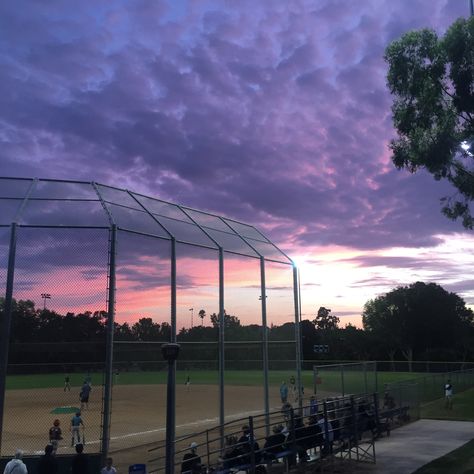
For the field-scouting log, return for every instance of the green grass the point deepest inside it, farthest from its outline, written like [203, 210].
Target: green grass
[459, 461]
[463, 408]
[232, 377]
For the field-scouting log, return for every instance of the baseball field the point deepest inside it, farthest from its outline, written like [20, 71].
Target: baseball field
[139, 405]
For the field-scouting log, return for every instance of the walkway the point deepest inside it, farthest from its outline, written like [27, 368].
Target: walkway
[416, 444]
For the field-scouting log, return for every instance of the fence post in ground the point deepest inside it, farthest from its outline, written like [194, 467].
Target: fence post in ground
[377, 411]
[221, 346]
[5, 332]
[342, 380]
[356, 431]
[327, 445]
[208, 450]
[252, 445]
[263, 297]
[109, 345]
[297, 303]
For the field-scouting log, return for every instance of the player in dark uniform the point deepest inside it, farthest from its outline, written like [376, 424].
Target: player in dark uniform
[67, 383]
[84, 395]
[55, 435]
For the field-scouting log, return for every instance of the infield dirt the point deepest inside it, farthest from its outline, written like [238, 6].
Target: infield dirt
[138, 416]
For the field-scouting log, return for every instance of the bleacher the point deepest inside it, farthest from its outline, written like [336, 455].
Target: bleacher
[343, 428]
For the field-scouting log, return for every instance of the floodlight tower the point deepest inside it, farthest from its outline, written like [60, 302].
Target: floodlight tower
[45, 296]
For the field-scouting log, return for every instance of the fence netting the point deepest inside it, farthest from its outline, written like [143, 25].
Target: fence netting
[57, 340]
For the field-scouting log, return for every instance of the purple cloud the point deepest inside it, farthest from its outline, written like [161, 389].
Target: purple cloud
[275, 113]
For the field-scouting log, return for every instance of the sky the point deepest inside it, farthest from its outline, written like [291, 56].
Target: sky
[275, 113]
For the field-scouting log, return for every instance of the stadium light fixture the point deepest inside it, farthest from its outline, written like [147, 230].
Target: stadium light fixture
[45, 296]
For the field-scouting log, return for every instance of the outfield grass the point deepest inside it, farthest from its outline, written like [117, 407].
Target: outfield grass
[232, 377]
[463, 408]
[459, 461]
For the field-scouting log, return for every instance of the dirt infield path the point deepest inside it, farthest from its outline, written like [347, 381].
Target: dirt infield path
[138, 414]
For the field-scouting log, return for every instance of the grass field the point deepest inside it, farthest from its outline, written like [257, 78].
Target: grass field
[459, 461]
[208, 377]
[463, 408]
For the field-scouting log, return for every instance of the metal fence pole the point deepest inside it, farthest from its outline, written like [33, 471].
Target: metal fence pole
[263, 296]
[297, 303]
[221, 346]
[171, 387]
[342, 380]
[109, 345]
[7, 318]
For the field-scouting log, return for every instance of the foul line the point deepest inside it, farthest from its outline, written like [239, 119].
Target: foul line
[236, 416]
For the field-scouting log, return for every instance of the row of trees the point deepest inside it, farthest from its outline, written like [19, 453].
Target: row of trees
[420, 321]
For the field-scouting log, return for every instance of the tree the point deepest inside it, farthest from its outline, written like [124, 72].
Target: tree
[229, 320]
[146, 330]
[417, 319]
[324, 320]
[432, 83]
[202, 315]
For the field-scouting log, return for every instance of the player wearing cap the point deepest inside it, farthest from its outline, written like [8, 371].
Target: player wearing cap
[55, 435]
[76, 423]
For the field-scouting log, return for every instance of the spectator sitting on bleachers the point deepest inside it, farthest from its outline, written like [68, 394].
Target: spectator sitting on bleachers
[191, 460]
[314, 433]
[246, 444]
[327, 437]
[274, 444]
[388, 401]
[336, 426]
[365, 418]
[232, 453]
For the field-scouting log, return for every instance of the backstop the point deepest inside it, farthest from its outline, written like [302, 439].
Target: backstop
[97, 278]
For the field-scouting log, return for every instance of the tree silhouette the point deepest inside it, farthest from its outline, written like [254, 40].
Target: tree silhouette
[202, 315]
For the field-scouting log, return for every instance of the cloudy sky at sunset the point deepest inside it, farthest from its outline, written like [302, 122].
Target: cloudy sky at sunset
[275, 113]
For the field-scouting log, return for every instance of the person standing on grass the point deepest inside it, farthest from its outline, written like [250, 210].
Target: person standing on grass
[67, 383]
[448, 395]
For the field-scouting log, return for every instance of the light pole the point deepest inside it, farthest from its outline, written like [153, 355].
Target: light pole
[192, 317]
[45, 296]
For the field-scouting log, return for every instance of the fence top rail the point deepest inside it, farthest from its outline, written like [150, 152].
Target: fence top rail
[345, 364]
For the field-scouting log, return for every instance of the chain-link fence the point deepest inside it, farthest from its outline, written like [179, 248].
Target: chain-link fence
[344, 379]
[59, 294]
[82, 263]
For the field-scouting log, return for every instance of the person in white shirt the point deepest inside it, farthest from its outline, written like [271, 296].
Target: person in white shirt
[108, 469]
[448, 395]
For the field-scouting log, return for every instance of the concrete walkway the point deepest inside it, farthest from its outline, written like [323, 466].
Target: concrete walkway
[416, 444]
